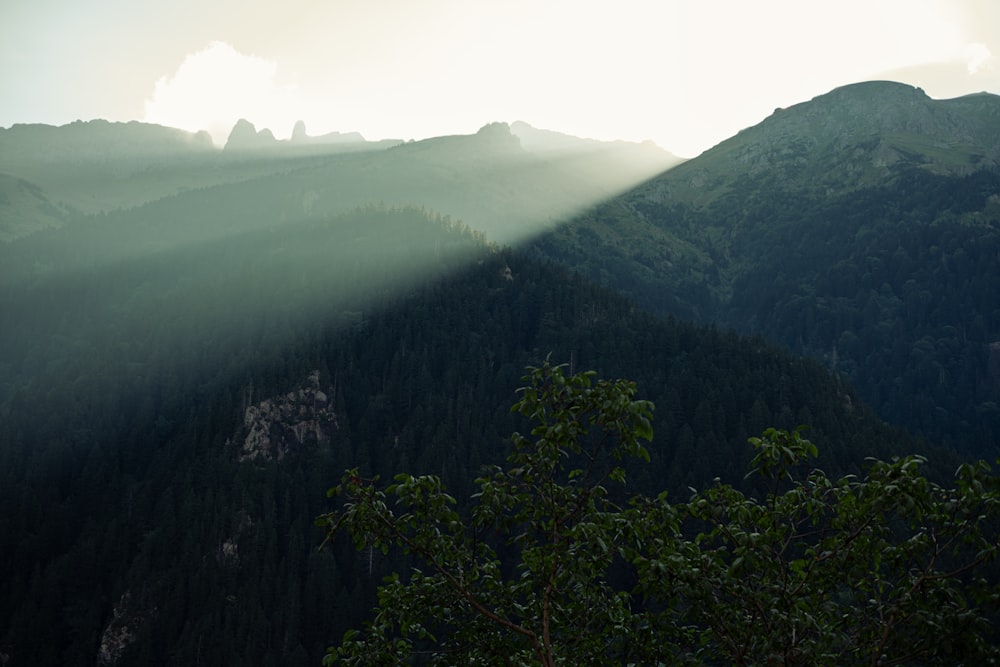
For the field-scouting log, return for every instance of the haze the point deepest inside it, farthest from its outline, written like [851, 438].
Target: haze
[683, 74]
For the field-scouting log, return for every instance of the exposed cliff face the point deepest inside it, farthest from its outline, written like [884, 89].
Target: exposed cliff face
[275, 427]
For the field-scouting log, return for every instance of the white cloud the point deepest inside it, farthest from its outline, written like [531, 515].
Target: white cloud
[977, 55]
[215, 87]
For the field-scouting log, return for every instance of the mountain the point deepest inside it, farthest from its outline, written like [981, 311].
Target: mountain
[542, 141]
[245, 137]
[860, 228]
[194, 352]
[632, 162]
[99, 166]
[486, 179]
[51, 172]
[299, 136]
[95, 140]
[851, 138]
[173, 417]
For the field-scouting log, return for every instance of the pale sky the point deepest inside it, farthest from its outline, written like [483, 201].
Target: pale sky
[686, 74]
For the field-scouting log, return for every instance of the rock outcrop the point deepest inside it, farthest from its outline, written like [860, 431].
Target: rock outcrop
[244, 136]
[276, 427]
[126, 620]
[301, 138]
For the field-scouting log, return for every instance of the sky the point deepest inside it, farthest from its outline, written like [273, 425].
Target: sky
[685, 74]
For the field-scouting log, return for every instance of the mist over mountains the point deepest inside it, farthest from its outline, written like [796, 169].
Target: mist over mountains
[198, 340]
[487, 179]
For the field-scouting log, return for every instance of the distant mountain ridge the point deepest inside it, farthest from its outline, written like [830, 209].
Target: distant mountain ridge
[245, 136]
[96, 139]
[640, 155]
[487, 179]
[543, 141]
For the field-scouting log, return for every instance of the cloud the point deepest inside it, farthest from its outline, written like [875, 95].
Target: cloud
[215, 87]
[977, 55]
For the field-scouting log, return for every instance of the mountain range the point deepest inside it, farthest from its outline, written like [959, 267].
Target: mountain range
[197, 341]
[487, 179]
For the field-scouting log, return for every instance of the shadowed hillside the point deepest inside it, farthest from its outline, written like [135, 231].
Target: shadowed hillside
[859, 228]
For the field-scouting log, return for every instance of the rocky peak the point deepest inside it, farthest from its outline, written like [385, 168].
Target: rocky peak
[498, 135]
[301, 138]
[245, 136]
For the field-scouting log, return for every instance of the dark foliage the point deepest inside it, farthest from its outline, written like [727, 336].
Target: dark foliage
[891, 285]
[125, 512]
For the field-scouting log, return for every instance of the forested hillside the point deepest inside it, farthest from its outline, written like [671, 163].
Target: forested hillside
[861, 228]
[189, 360]
[136, 530]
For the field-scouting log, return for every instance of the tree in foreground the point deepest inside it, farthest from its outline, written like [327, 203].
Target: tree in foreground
[550, 565]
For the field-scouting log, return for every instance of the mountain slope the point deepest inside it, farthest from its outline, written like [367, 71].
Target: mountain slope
[847, 139]
[26, 208]
[137, 529]
[860, 228]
